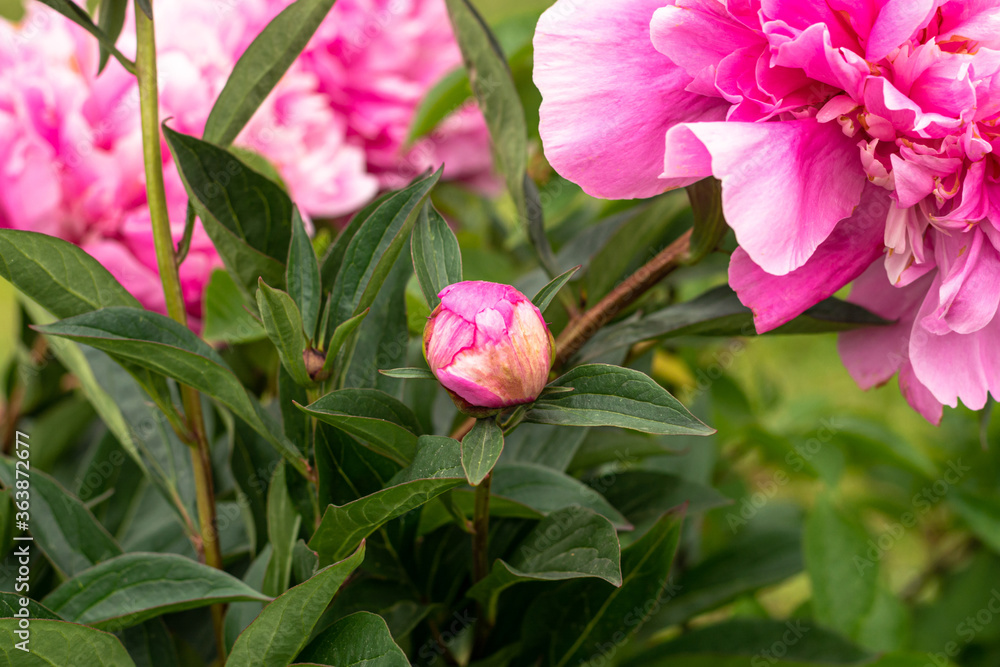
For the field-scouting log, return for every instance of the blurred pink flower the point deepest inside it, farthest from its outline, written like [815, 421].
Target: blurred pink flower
[70, 143]
[851, 137]
[376, 60]
[488, 345]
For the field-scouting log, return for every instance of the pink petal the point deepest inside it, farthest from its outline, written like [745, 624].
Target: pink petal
[896, 23]
[785, 185]
[697, 35]
[919, 396]
[609, 96]
[873, 355]
[854, 244]
[913, 181]
[956, 366]
[468, 389]
[970, 289]
[982, 26]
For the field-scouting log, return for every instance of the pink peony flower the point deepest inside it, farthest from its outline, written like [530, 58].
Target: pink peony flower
[852, 138]
[488, 345]
[376, 60]
[70, 142]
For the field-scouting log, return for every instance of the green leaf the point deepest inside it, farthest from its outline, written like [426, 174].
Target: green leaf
[435, 469]
[110, 19]
[612, 396]
[58, 275]
[77, 15]
[347, 471]
[373, 250]
[241, 614]
[570, 543]
[284, 626]
[643, 495]
[60, 643]
[447, 95]
[333, 259]
[549, 292]
[496, 93]
[302, 275]
[981, 513]
[546, 490]
[719, 312]
[379, 420]
[843, 579]
[437, 259]
[409, 374]
[753, 638]
[129, 589]
[452, 91]
[162, 345]
[382, 339]
[283, 324]
[813, 660]
[226, 319]
[709, 222]
[150, 644]
[247, 215]
[634, 244]
[340, 336]
[10, 605]
[760, 559]
[481, 448]
[260, 67]
[565, 625]
[251, 459]
[282, 529]
[607, 445]
[359, 639]
[139, 427]
[66, 532]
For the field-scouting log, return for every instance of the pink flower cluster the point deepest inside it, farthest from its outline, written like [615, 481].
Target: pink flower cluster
[856, 140]
[334, 127]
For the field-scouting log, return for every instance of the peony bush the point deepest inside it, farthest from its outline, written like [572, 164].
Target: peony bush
[493, 334]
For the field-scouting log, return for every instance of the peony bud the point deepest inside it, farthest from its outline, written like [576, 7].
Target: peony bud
[489, 346]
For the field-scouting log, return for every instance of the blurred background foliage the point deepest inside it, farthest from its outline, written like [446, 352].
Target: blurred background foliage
[815, 500]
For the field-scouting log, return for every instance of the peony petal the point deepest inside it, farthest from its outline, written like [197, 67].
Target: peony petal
[468, 389]
[697, 35]
[785, 185]
[609, 96]
[913, 181]
[873, 355]
[896, 23]
[956, 366]
[852, 247]
[970, 289]
[919, 396]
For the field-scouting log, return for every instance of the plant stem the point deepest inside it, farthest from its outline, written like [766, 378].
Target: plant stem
[166, 262]
[480, 557]
[625, 294]
[582, 329]
[481, 534]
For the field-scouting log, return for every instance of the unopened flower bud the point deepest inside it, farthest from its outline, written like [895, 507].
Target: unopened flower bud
[489, 346]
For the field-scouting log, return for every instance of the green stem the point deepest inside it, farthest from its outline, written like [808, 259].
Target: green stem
[481, 534]
[480, 557]
[167, 263]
